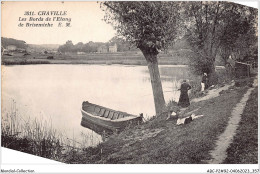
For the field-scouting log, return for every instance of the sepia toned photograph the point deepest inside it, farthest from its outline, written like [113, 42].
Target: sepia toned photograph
[131, 82]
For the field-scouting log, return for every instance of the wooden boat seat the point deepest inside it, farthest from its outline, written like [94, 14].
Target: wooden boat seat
[111, 114]
[106, 114]
[102, 112]
[120, 116]
[115, 116]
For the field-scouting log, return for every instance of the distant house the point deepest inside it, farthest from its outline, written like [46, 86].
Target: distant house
[53, 51]
[81, 53]
[112, 49]
[102, 49]
[11, 47]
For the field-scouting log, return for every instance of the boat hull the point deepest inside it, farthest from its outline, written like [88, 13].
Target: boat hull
[101, 124]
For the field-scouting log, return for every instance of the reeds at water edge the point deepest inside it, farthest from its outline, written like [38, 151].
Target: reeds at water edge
[37, 136]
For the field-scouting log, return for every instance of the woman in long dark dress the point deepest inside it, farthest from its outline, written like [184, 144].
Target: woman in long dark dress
[184, 100]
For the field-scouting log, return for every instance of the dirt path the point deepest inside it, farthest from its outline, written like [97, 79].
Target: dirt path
[225, 139]
[212, 93]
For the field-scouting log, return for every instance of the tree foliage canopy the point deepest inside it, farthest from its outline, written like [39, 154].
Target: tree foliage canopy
[151, 26]
[216, 28]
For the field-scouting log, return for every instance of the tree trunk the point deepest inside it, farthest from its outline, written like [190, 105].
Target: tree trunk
[158, 97]
[213, 79]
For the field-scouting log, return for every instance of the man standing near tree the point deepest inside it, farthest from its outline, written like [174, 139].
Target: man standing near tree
[204, 82]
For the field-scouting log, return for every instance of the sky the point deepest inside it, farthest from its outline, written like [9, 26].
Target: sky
[86, 22]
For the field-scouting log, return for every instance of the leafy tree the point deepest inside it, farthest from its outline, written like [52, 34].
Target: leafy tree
[215, 28]
[239, 38]
[151, 26]
[79, 46]
[122, 44]
[68, 47]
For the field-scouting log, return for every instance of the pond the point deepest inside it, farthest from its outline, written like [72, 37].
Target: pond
[56, 92]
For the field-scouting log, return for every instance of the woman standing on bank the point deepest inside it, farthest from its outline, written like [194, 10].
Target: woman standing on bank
[184, 100]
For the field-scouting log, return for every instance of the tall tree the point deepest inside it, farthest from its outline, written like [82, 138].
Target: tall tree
[202, 34]
[151, 26]
[214, 28]
[239, 34]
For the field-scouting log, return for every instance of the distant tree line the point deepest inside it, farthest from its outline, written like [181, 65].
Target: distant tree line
[90, 47]
[9, 41]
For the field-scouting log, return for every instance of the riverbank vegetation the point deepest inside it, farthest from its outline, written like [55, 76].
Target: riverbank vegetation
[33, 137]
[157, 140]
[161, 141]
[38, 137]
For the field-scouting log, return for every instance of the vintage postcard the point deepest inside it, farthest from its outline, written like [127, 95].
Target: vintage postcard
[129, 82]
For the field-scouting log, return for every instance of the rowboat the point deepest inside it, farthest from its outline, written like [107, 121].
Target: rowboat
[100, 119]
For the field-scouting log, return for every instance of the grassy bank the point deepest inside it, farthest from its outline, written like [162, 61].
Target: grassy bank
[91, 58]
[80, 61]
[162, 141]
[244, 149]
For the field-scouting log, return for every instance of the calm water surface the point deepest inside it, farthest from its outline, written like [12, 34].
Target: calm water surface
[56, 92]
